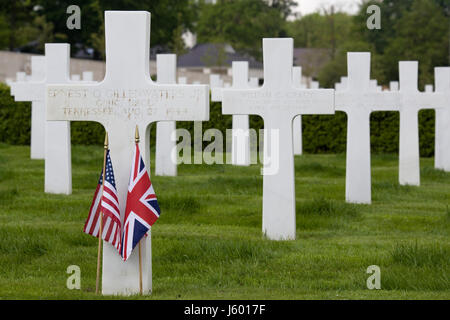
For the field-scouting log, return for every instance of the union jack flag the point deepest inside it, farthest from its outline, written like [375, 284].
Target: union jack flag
[142, 209]
[111, 226]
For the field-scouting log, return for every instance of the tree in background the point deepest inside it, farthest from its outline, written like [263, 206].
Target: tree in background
[318, 30]
[410, 30]
[14, 14]
[240, 23]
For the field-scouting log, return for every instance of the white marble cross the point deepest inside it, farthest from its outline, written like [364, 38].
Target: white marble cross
[428, 88]
[240, 143]
[88, 76]
[165, 150]
[215, 81]
[442, 133]
[297, 125]
[412, 101]
[278, 102]
[125, 98]
[358, 100]
[58, 165]
[393, 86]
[37, 111]
[254, 82]
[20, 78]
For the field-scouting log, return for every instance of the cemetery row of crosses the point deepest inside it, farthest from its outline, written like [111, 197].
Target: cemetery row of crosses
[128, 97]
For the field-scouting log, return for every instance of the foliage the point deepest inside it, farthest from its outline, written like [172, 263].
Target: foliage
[321, 134]
[410, 30]
[240, 23]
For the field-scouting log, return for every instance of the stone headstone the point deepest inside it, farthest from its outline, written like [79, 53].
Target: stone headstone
[182, 80]
[58, 165]
[442, 113]
[75, 77]
[125, 98]
[278, 102]
[165, 152]
[314, 85]
[358, 100]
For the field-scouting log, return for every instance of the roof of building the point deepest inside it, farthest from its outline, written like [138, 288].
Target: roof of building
[206, 55]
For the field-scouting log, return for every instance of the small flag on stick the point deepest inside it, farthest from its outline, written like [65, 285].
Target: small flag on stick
[142, 209]
[105, 204]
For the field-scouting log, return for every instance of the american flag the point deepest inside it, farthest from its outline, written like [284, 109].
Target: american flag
[111, 226]
[142, 209]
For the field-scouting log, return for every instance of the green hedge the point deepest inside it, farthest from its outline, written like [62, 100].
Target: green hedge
[321, 134]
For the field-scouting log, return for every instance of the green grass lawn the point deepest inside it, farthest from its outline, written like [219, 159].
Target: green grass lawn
[208, 243]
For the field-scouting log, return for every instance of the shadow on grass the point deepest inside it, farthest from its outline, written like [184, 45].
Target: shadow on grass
[316, 168]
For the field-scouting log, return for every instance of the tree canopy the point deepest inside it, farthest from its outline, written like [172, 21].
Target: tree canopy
[410, 29]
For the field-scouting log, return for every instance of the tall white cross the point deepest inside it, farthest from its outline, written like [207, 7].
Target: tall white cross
[358, 101]
[278, 102]
[240, 143]
[58, 165]
[393, 86]
[442, 133]
[37, 111]
[165, 150]
[215, 81]
[412, 101]
[88, 76]
[125, 98]
[297, 125]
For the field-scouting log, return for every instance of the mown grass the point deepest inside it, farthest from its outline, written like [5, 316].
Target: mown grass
[208, 243]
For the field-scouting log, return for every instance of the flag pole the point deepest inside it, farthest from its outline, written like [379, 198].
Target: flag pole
[136, 138]
[99, 250]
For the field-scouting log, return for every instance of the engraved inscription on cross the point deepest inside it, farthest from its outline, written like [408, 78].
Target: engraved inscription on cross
[358, 100]
[58, 165]
[125, 98]
[278, 101]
